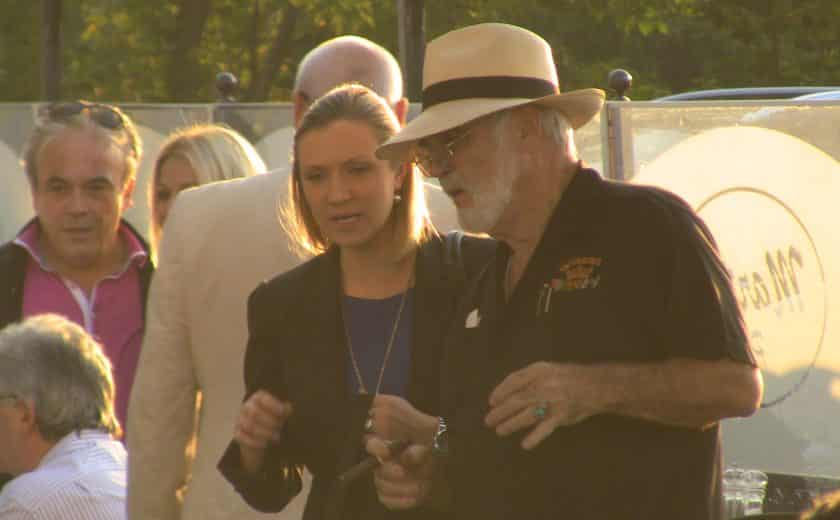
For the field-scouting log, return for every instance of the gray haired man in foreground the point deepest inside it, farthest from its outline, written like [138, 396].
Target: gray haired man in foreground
[57, 424]
[601, 347]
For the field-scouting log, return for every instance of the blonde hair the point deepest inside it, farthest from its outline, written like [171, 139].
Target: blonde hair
[354, 103]
[214, 152]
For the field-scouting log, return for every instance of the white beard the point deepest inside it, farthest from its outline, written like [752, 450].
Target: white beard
[492, 198]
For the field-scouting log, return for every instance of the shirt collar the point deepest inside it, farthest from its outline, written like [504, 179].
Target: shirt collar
[137, 253]
[70, 443]
[573, 212]
[28, 240]
[29, 236]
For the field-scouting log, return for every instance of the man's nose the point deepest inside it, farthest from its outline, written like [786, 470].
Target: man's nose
[439, 166]
[78, 201]
[442, 167]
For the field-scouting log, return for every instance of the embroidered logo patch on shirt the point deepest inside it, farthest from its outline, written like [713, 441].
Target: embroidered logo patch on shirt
[583, 272]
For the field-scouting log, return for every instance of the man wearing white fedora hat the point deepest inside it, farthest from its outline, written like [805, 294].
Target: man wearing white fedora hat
[603, 344]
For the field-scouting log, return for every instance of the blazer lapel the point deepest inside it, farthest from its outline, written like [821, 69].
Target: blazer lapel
[315, 369]
[328, 354]
[434, 298]
[320, 309]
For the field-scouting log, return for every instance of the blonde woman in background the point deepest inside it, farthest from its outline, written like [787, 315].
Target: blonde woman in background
[194, 156]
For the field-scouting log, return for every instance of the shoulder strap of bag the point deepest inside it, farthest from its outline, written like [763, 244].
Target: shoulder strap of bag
[452, 253]
[467, 257]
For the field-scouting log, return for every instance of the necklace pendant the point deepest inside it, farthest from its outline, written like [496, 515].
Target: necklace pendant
[362, 391]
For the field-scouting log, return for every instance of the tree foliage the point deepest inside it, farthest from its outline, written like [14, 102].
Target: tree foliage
[171, 50]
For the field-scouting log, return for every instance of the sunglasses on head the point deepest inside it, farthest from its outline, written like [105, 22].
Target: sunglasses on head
[104, 115]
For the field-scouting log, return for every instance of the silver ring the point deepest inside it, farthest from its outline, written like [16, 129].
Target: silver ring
[369, 425]
[541, 411]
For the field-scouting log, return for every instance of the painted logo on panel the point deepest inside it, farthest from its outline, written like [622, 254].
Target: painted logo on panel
[778, 279]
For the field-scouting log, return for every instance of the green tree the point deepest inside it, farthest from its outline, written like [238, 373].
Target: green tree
[171, 50]
[19, 50]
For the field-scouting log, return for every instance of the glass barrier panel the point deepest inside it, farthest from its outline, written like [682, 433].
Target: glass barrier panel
[766, 179]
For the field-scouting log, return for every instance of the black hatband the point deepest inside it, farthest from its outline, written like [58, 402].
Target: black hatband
[505, 87]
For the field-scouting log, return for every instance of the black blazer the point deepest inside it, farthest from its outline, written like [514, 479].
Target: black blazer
[297, 351]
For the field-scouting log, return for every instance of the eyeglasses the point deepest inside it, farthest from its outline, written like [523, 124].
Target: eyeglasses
[434, 154]
[104, 115]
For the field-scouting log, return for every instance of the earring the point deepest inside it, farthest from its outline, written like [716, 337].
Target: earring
[397, 199]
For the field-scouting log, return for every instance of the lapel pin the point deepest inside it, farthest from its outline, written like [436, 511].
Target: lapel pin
[473, 319]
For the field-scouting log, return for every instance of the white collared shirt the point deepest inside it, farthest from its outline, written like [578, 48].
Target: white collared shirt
[83, 477]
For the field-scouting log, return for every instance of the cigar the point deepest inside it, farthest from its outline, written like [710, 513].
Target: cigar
[370, 463]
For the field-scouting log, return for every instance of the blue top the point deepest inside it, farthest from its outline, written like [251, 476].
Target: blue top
[369, 323]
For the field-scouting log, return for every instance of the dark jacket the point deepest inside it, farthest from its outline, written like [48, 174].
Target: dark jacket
[297, 349]
[13, 271]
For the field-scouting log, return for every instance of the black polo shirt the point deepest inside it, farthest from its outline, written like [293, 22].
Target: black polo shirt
[618, 276]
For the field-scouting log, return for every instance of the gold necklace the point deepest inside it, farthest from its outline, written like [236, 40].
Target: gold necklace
[359, 380]
[508, 280]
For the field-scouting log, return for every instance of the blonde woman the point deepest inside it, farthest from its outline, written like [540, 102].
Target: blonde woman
[346, 344]
[194, 156]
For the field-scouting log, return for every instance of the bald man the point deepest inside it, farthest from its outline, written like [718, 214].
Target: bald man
[219, 242]
[348, 59]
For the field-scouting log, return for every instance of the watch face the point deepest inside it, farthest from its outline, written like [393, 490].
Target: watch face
[441, 440]
[442, 443]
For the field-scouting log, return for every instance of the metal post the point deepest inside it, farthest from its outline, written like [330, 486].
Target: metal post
[227, 111]
[51, 49]
[612, 143]
[617, 129]
[226, 86]
[412, 45]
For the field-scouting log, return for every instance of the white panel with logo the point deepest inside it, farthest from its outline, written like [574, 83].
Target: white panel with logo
[771, 201]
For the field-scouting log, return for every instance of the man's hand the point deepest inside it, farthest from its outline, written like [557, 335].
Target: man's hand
[679, 392]
[566, 393]
[405, 480]
[261, 419]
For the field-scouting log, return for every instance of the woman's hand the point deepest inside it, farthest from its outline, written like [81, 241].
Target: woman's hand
[395, 419]
[261, 420]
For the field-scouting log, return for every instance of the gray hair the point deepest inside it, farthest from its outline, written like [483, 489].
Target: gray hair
[125, 139]
[553, 123]
[62, 370]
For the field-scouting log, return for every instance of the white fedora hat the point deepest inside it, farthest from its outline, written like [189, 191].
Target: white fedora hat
[477, 70]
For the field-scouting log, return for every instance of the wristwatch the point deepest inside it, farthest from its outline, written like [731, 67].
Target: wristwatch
[440, 442]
